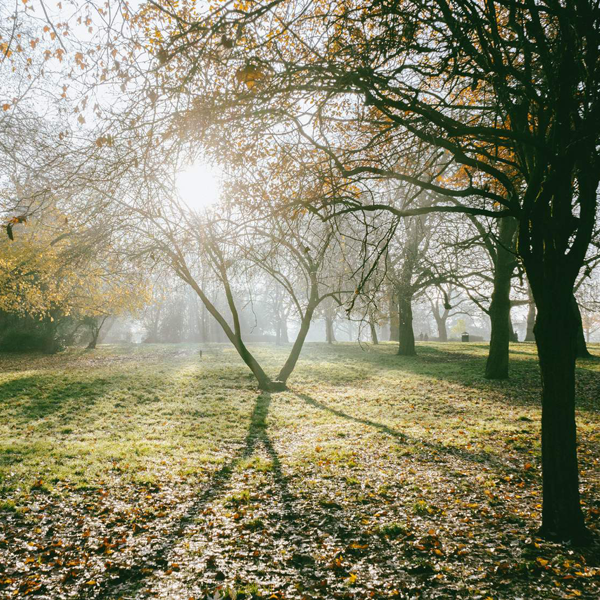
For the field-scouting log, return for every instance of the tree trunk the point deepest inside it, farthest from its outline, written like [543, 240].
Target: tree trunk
[497, 362]
[496, 366]
[394, 321]
[95, 331]
[329, 331]
[264, 382]
[283, 330]
[529, 336]
[292, 359]
[440, 321]
[582, 351]
[92, 345]
[556, 339]
[374, 337]
[406, 345]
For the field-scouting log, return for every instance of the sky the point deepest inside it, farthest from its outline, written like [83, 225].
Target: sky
[199, 185]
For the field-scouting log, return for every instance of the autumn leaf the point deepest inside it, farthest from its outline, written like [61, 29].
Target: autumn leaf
[250, 75]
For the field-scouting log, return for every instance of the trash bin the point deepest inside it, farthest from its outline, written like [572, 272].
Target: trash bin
[465, 337]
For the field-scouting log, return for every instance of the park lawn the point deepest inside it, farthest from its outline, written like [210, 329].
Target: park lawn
[147, 471]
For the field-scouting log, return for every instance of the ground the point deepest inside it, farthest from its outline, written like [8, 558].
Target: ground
[151, 472]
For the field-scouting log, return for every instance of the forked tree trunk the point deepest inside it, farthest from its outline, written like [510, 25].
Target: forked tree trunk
[556, 339]
[440, 321]
[406, 343]
[497, 362]
[264, 382]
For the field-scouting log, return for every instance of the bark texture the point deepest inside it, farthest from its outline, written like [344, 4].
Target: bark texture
[556, 339]
[504, 264]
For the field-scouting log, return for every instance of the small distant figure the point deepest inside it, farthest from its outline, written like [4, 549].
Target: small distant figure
[421, 336]
[200, 353]
[426, 337]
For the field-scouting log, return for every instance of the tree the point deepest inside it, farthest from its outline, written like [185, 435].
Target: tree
[234, 250]
[504, 93]
[443, 300]
[53, 270]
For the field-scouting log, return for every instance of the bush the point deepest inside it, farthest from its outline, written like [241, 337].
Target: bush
[18, 340]
[27, 334]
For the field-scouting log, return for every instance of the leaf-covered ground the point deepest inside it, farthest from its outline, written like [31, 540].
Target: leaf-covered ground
[147, 472]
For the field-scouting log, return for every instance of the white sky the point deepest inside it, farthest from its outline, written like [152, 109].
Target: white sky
[199, 185]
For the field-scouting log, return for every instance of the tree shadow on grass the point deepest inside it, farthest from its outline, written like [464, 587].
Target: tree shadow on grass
[38, 396]
[438, 449]
[522, 388]
[131, 579]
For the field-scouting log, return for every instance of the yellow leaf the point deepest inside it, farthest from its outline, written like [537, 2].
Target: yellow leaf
[540, 561]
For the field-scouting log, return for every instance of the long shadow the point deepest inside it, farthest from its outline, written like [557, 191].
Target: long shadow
[465, 455]
[131, 579]
[466, 370]
[301, 561]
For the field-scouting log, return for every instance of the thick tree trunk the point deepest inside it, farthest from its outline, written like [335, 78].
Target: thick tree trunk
[497, 362]
[556, 338]
[406, 343]
[440, 321]
[394, 321]
[582, 351]
[329, 331]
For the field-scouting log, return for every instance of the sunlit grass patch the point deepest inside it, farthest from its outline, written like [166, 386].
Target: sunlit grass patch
[371, 469]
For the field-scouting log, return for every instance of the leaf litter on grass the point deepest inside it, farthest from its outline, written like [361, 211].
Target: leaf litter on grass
[427, 487]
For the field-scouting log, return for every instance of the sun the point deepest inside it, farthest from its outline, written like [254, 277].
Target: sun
[199, 185]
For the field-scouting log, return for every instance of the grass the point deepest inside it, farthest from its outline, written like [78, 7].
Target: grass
[145, 471]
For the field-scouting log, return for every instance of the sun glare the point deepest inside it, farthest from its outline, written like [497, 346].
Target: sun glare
[199, 185]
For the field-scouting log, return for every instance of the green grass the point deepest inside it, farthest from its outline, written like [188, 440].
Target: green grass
[388, 473]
